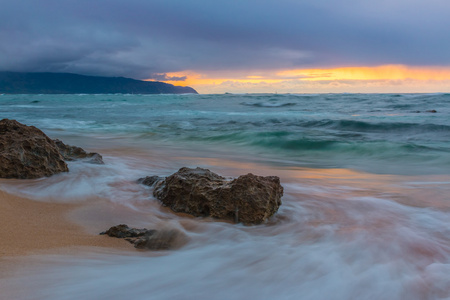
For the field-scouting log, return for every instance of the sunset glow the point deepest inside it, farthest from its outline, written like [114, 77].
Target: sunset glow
[388, 72]
[386, 78]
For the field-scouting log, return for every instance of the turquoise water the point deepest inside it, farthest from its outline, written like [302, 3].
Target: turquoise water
[383, 133]
[365, 214]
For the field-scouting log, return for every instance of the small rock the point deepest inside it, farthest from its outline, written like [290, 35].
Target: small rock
[165, 239]
[123, 231]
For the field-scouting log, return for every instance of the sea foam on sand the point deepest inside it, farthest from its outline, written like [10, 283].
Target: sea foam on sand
[339, 234]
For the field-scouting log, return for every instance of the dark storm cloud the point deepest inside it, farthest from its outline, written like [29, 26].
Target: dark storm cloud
[144, 38]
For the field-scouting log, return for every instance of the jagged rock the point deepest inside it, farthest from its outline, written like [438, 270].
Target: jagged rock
[26, 152]
[249, 199]
[165, 239]
[73, 153]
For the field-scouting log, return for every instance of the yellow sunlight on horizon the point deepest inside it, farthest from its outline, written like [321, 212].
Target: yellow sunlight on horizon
[386, 78]
[388, 72]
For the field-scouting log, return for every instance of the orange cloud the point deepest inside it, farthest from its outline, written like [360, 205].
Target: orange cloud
[196, 79]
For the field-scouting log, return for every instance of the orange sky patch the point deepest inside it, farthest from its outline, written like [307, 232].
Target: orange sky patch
[387, 78]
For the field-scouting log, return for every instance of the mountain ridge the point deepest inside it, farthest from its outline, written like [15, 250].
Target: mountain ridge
[70, 83]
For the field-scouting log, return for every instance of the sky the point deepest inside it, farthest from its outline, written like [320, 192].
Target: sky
[254, 46]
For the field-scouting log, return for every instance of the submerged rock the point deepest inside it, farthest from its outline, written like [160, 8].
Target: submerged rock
[159, 240]
[149, 180]
[27, 153]
[428, 111]
[73, 153]
[249, 199]
[165, 239]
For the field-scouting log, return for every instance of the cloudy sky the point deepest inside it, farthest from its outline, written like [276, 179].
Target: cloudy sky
[236, 46]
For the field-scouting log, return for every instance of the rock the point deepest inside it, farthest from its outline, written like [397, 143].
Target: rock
[123, 231]
[249, 199]
[73, 153]
[150, 180]
[26, 152]
[165, 239]
[428, 111]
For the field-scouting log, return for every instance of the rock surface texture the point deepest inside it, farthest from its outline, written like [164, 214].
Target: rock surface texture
[73, 153]
[148, 239]
[26, 152]
[249, 199]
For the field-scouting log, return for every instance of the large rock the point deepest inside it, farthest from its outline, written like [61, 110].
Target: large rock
[249, 199]
[73, 153]
[165, 239]
[26, 152]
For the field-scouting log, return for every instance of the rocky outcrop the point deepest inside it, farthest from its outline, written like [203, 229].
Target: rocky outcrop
[26, 152]
[73, 153]
[148, 239]
[249, 199]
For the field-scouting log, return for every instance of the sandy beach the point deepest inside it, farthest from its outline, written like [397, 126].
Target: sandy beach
[30, 227]
[35, 228]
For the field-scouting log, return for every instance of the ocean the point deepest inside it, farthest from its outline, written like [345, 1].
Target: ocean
[365, 213]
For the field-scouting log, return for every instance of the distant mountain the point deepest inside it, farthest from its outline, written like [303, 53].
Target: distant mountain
[67, 83]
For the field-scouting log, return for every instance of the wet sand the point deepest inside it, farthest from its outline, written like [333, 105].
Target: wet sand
[30, 227]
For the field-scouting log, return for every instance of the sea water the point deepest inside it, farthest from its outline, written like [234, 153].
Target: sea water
[365, 213]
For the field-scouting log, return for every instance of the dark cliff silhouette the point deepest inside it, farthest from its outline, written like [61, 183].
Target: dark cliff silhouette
[67, 83]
